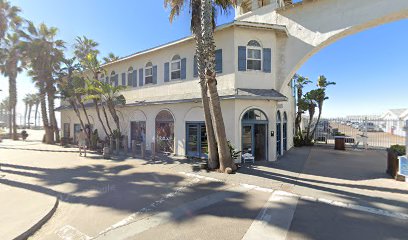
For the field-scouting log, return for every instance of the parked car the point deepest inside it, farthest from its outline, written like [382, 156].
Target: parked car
[355, 125]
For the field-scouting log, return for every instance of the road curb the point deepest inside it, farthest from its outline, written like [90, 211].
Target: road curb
[39, 224]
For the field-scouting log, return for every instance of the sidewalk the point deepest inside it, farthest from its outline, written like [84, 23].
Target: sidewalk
[23, 211]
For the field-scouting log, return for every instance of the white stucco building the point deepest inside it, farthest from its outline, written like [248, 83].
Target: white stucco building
[163, 94]
[257, 55]
[394, 121]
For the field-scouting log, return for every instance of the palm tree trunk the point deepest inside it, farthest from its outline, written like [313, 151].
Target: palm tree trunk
[318, 118]
[15, 136]
[215, 105]
[25, 115]
[99, 116]
[74, 106]
[49, 139]
[84, 110]
[35, 114]
[51, 110]
[112, 110]
[213, 161]
[107, 120]
[30, 106]
[13, 102]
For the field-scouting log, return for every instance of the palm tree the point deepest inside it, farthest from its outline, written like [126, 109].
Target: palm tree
[196, 14]
[92, 64]
[322, 84]
[31, 102]
[8, 18]
[37, 104]
[83, 47]
[110, 95]
[110, 58]
[300, 83]
[207, 28]
[69, 81]
[45, 55]
[25, 101]
[11, 64]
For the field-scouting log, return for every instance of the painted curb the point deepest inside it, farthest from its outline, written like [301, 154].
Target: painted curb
[28, 233]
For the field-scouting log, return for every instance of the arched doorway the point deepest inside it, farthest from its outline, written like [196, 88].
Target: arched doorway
[285, 132]
[164, 132]
[278, 134]
[254, 134]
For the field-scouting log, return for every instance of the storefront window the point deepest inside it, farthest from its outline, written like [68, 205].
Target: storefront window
[165, 132]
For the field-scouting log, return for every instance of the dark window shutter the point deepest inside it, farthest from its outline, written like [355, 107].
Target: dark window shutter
[195, 66]
[166, 72]
[241, 58]
[130, 79]
[154, 74]
[183, 73]
[116, 80]
[141, 77]
[123, 79]
[134, 78]
[267, 60]
[218, 61]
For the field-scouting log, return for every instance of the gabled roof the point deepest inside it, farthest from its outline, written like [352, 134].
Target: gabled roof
[246, 24]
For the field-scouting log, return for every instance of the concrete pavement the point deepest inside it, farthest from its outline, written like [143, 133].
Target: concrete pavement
[170, 199]
[23, 212]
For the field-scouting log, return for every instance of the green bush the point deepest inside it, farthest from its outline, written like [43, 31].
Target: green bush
[234, 153]
[297, 141]
[398, 149]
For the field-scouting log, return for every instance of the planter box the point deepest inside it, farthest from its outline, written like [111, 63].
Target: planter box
[339, 143]
[392, 163]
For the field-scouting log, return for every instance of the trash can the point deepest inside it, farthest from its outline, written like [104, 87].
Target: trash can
[340, 143]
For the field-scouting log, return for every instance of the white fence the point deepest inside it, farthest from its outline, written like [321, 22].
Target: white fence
[360, 132]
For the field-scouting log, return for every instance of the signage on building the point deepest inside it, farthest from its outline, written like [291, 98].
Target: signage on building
[403, 166]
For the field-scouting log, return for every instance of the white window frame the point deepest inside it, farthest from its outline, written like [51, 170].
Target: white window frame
[149, 66]
[113, 73]
[254, 59]
[129, 72]
[175, 59]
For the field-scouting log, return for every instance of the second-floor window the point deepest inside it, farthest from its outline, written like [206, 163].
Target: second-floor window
[175, 68]
[254, 56]
[149, 73]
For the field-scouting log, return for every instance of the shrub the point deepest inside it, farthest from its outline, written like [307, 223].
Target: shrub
[398, 149]
[297, 141]
[234, 153]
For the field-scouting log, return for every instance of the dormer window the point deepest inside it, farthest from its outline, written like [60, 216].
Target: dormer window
[175, 68]
[149, 73]
[254, 56]
[262, 3]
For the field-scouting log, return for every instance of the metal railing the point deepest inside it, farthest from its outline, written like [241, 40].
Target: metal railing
[372, 133]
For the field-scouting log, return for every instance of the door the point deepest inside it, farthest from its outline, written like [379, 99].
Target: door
[77, 129]
[67, 130]
[285, 136]
[254, 140]
[260, 145]
[196, 140]
[137, 132]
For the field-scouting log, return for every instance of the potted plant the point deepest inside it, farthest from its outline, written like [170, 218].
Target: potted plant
[393, 153]
[339, 141]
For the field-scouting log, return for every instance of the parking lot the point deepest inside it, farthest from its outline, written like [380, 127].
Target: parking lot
[377, 136]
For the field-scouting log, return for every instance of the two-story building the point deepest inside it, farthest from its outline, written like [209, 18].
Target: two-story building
[163, 99]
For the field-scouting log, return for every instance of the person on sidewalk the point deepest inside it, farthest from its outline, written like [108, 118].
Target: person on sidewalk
[82, 137]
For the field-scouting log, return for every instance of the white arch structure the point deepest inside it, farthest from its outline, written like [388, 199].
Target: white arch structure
[313, 25]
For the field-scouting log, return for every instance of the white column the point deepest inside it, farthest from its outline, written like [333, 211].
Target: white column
[406, 138]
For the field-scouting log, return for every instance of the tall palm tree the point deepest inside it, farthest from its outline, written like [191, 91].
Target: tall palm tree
[83, 47]
[36, 99]
[111, 96]
[322, 84]
[69, 81]
[110, 58]
[45, 55]
[300, 82]
[92, 64]
[207, 28]
[8, 18]
[196, 14]
[11, 64]
[25, 101]
[31, 102]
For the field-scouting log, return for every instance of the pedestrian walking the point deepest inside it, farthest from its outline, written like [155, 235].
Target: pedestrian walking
[82, 137]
